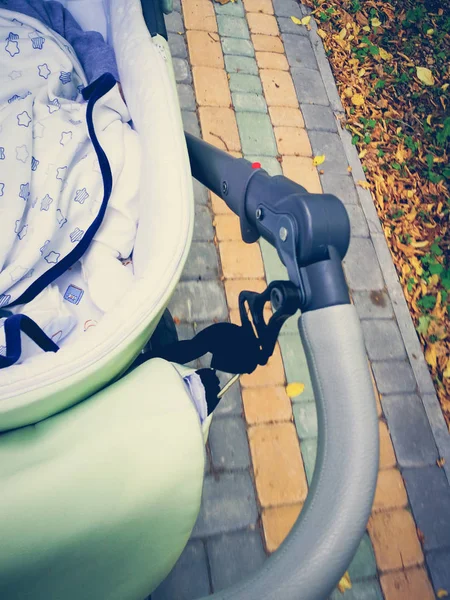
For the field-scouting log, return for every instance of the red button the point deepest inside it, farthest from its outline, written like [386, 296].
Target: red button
[256, 165]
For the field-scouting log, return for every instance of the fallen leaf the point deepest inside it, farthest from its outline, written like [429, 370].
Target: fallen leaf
[358, 99]
[361, 72]
[440, 462]
[425, 75]
[429, 119]
[363, 184]
[321, 33]
[385, 55]
[366, 28]
[296, 20]
[295, 389]
[444, 87]
[430, 355]
[430, 31]
[446, 372]
[342, 33]
[344, 583]
[306, 20]
[441, 593]
[318, 160]
[362, 153]
[376, 22]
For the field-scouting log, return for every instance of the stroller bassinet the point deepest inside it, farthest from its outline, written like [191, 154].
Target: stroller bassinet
[101, 477]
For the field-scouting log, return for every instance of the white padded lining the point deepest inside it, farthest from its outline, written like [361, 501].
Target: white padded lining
[166, 215]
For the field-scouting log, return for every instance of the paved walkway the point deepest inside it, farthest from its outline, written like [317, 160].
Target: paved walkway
[255, 84]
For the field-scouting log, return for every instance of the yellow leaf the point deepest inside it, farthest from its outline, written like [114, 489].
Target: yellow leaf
[306, 20]
[344, 583]
[295, 389]
[358, 99]
[444, 87]
[429, 119]
[348, 92]
[361, 72]
[446, 372]
[321, 33]
[430, 356]
[342, 33]
[385, 55]
[417, 265]
[425, 75]
[410, 193]
[362, 153]
[441, 593]
[430, 31]
[419, 244]
[318, 160]
[434, 279]
[366, 28]
[296, 21]
[376, 22]
[363, 184]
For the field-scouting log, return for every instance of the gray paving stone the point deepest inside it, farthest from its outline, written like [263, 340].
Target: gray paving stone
[295, 365]
[228, 443]
[358, 223]
[241, 64]
[273, 267]
[174, 23]
[234, 27]
[330, 144]
[320, 118]
[410, 431]
[200, 193]
[363, 564]
[361, 266]
[233, 556]
[185, 331]
[305, 416]
[429, 496]
[287, 25]
[374, 304]
[237, 47]
[177, 45]
[299, 51]
[228, 504]
[439, 428]
[189, 578]
[186, 96]
[203, 229]
[394, 377]
[245, 83]
[361, 590]
[341, 186]
[268, 163]
[287, 8]
[231, 403]
[309, 453]
[177, 5]
[182, 70]
[438, 563]
[190, 124]
[198, 300]
[249, 102]
[234, 9]
[309, 86]
[383, 339]
[256, 133]
[202, 262]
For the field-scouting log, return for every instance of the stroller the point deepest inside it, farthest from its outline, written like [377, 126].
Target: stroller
[101, 449]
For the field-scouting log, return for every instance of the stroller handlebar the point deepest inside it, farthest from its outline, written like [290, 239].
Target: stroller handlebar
[312, 559]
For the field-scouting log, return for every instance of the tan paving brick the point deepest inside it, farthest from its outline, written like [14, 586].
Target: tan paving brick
[270, 374]
[211, 87]
[272, 60]
[199, 15]
[218, 206]
[390, 492]
[233, 287]
[227, 227]
[260, 23]
[394, 539]
[259, 6]
[266, 405]
[278, 467]
[293, 141]
[410, 584]
[387, 454]
[219, 127]
[205, 49]
[278, 88]
[241, 260]
[277, 523]
[267, 43]
[283, 116]
[301, 170]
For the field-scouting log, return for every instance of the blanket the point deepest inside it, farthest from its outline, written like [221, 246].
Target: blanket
[61, 147]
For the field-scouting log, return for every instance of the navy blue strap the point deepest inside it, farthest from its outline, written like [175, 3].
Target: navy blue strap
[14, 325]
[92, 93]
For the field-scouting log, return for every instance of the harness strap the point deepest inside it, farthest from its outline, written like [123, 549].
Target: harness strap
[14, 325]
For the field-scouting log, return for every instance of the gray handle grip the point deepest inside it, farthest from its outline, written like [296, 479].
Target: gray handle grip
[314, 556]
